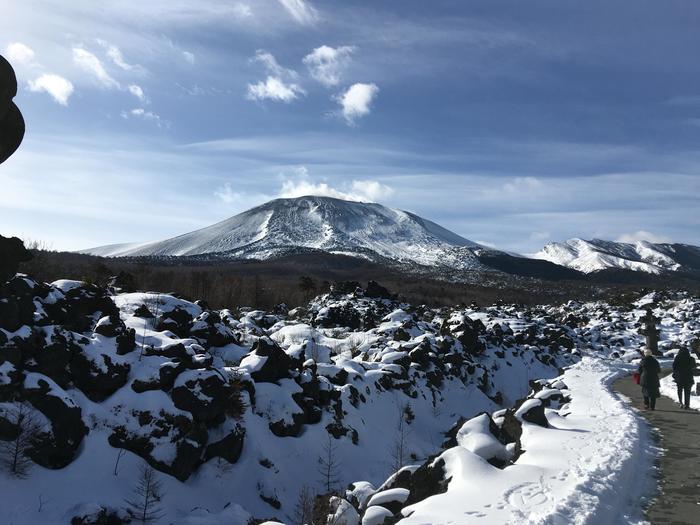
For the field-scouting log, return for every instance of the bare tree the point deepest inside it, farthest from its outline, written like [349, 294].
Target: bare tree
[145, 505]
[14, 452]
[304, 510]
[399, 447]
[329, 466]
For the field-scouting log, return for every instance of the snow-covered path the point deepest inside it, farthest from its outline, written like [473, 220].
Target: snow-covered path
[591, 467]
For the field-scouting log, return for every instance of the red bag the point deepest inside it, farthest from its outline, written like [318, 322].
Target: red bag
[635, 377]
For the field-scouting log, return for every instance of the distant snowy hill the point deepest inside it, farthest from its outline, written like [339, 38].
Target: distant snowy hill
[595, 255]
[286, 226]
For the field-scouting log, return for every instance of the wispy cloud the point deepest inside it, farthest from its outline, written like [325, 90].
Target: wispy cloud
[326, 64]
[89, 63]
[58, 87]
[188, 56]
[144, 114]
[301, 10]
[356, 102]
[115, 54]
[642, 235]
[272, 66]
[137, 91]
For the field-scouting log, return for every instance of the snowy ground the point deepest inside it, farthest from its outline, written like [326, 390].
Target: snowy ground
[668, 389]
[588, 468]
[589, 465]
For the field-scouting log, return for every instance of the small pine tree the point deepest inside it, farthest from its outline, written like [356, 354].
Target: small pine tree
[14, 453]
[329, 466]
[304, 510]
[145, 506]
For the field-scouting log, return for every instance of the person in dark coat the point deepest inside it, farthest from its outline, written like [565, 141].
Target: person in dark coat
[683, 367]
[649, 370]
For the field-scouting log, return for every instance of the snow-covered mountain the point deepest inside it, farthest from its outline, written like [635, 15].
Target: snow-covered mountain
[320, 223]
[595, 255]
[284, 227]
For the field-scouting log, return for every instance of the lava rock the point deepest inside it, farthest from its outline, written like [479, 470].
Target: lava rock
[97, 375]
[277, 363]
[229, 448]
[12, 252]
[58, 448]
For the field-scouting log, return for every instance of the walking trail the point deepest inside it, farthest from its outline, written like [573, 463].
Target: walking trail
[678, 499]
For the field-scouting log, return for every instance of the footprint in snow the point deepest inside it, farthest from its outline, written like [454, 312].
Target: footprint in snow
[527, 496]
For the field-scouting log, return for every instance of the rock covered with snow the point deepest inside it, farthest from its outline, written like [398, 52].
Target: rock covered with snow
[240, 398]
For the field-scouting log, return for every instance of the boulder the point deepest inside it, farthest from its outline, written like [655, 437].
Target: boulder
[12, 253]
[229, 447]
[204, 393]
[97, 375]
[159, 431]
[267, 362]
[178, 320]
[57, 448]
[100, 515]
[16, 304]
[532, 411]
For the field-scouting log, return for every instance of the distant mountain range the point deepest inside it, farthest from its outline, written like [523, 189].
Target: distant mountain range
[596, 255]
[393, 237]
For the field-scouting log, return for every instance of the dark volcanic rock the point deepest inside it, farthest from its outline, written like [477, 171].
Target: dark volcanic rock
[57, 448]
[277, 363]
[203, 393]
[97, 375]
[12, 250]
[229, 448]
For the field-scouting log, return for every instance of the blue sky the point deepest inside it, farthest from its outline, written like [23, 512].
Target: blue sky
[511, 123]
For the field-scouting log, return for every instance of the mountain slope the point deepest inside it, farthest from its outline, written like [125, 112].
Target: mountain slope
[320, 223]
[596, 255]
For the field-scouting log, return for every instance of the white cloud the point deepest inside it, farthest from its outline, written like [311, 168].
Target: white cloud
[137, 91]
[274, 89]
[642, 235]
[326, 63]
[356, 101]
[91, 64]
[272, 66]
[58, 87]
[241, 10]
[522, 185]
[115, 54]
[301, 10]
[227, 194]
[143, 114]
[189, 57]
[19, 53]
[357, 190]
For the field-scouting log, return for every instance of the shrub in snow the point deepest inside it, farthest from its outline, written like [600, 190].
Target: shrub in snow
[19, 428]
[145, 505]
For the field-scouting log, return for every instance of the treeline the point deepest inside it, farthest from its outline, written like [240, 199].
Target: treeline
[296, 279]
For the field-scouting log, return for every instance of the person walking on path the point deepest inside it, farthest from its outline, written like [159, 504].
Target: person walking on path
[649, 370]
[683, 368]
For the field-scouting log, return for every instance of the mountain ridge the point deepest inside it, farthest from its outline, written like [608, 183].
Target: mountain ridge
[595, 255]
